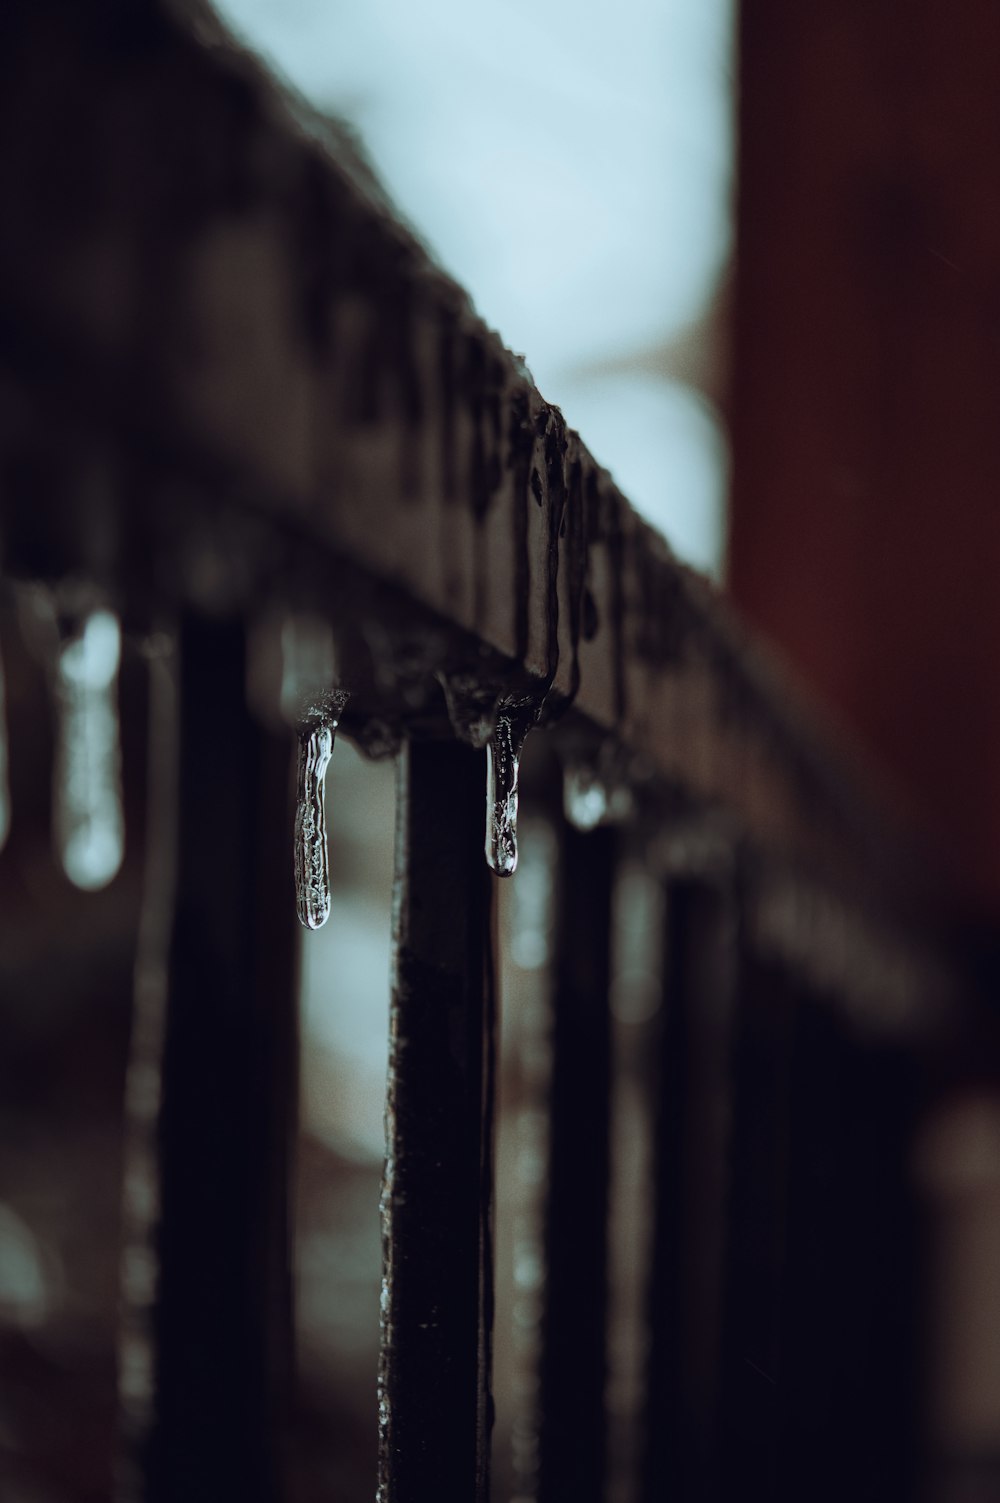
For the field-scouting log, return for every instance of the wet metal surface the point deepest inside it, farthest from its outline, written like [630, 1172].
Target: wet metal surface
[435, 1410]
[572, 1438]
[222, 1319]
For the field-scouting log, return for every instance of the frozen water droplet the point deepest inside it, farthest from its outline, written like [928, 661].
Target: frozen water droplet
[312, 865]
[4, 763]
[503, 753]
[88, 818]
[585, 797]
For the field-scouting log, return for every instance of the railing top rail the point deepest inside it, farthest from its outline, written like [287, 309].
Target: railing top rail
[232, 374]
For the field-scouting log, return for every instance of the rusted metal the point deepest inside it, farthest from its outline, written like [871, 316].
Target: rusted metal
[435, 1409]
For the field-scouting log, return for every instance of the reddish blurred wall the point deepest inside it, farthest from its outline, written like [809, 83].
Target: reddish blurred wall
[865, 533]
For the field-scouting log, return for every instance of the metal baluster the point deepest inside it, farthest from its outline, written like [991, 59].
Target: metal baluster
[850, 1326]
[435, 1408]
[572, 1429]
[690, 1188]
[636, 998]
[143, 1085]
[222, 1317]
[754, 1370]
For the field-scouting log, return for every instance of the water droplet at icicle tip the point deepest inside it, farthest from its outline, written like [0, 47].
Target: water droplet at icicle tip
[312, 864]
[88, 818]
[503, 754]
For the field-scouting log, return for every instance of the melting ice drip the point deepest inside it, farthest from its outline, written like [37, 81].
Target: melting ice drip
[503, 755]
[88, 818]
[309, 666]
[4, 780]
[312, 862]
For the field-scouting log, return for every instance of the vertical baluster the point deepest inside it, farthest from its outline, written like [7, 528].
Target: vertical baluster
[434, 1402]
[572, 1433]
[754, 1366]
[636, 997]
[850, 1325]
[222, 1317]
[143, 1085]
[690, 1186]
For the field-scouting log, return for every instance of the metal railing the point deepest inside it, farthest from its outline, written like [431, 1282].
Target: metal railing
[236, 393]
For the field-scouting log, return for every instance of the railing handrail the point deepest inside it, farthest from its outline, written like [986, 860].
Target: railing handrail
[329, 415]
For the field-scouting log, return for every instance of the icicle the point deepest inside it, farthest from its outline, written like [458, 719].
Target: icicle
[503, 753]
[314, 709]
[312, 864]
[4, 763]
[88, 818]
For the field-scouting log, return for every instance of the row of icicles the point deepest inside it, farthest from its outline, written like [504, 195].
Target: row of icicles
[84, 654]
[317, 728]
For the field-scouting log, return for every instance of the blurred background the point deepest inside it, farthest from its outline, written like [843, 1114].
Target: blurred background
[573, 167]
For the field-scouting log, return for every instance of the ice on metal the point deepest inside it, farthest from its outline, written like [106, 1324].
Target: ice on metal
[313, 705]
[88, 819]
[503, 753]
[312, 864]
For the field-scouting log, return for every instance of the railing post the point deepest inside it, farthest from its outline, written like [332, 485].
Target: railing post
[754, 1372]
[691, 1180]
[221, 1319]
[850, 1330]
[572, 1423]
[435, 1408]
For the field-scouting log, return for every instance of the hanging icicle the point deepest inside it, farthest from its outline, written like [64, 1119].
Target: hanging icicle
[88, 820]
[312, 862]
[503, 755]
[314, 708]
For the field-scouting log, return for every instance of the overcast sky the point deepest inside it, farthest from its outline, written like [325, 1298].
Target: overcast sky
[570, 164]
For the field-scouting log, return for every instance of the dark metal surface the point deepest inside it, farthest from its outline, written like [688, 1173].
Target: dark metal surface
[222, 1322]
[851, 1331]
[572, 1433]
[227, 370]
[691, 1182]
[435, 1406]
[222, 294]
[755, 1378]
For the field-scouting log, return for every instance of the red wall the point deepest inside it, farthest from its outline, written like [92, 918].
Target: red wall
[865, 535]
